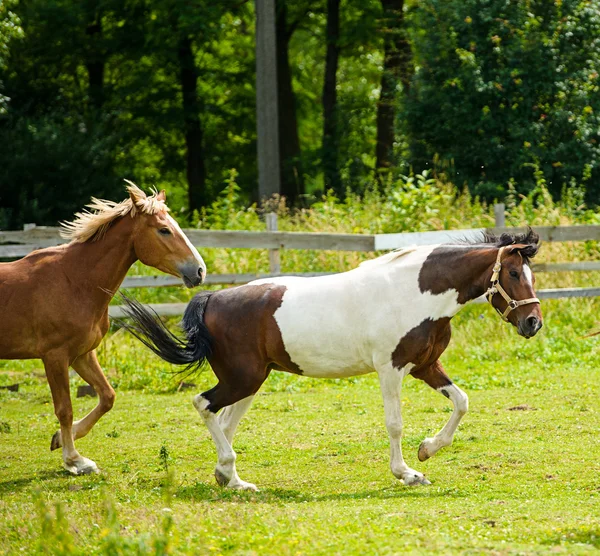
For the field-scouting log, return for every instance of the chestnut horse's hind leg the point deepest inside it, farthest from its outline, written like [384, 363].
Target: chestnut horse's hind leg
[435, 377]
[207, 405]
[89, 369]
[57, 372]
[390, 380]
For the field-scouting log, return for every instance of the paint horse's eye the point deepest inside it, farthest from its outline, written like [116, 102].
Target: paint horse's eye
[514, 273]
[164, 232]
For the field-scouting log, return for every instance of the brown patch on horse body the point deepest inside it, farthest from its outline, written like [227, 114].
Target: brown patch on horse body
[423, 345]
[437, 277]
[243, 355]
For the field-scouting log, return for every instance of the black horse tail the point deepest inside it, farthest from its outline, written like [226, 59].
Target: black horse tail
[147, 326]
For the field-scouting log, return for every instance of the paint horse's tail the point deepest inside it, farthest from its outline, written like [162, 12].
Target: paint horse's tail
[147, 326]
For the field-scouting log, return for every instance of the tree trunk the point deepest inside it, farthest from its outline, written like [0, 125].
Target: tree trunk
[95, 63]
[330, 128]
[195, 170]
[397, 63]
[292, 182]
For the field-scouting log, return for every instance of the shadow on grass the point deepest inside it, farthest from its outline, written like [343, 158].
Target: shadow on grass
[586, 534]
[205, 492]
[12, 486]
[7, 487]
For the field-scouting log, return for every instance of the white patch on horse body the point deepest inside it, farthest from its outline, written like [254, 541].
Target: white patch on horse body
[194, 251]
[528, 274]
[350, 324]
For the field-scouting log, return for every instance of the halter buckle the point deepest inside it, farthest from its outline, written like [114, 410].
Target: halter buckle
[513, 304]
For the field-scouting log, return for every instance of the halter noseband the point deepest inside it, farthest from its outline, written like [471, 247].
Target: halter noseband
[497, 288]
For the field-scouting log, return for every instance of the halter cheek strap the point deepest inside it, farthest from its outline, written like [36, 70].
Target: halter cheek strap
[496, 287]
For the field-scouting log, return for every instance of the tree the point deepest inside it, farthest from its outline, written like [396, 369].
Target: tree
[504, 86]
[292, 177]
[397, 70]
[330, 129]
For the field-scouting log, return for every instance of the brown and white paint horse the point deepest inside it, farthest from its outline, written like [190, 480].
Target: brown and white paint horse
[390, 315]
[54, 302]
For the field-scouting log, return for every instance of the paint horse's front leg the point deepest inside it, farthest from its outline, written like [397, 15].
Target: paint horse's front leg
[435, 377]
[390, 380]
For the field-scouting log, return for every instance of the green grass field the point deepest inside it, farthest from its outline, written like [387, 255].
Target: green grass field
[514, 482]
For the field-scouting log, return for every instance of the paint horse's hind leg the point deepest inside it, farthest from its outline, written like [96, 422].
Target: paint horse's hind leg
[390, 380]
[57, 372]
[230, 417]
[89, 369]
[207, 404]
[435, 377]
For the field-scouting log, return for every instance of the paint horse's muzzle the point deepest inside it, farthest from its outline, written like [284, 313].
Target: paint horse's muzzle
[529, 326]
[193, 273]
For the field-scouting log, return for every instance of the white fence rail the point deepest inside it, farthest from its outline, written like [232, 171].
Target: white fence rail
[16, 244]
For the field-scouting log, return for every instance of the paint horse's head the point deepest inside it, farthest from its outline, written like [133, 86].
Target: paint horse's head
[160, 242]
[511, 285]
[157, 240]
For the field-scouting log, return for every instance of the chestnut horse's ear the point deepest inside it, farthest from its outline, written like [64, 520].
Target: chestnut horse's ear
[135, 193]
[162, 196]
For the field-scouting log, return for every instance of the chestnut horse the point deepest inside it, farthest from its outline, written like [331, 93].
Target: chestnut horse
[390, 315]
[54, 302]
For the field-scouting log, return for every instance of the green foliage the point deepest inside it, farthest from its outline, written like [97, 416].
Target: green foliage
[500, 87]
[510, 83]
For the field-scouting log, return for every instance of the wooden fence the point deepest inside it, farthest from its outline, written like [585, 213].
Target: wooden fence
[16, 244]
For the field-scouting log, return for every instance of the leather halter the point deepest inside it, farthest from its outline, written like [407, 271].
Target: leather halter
[497, 288]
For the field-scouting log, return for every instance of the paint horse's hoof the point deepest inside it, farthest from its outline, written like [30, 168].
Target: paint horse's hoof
[82, 466]
[237, 484]
[424, 453]
[55, 443]
[243, 485]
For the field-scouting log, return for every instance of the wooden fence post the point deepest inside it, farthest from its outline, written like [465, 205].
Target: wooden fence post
[500, 221]
[274, 255]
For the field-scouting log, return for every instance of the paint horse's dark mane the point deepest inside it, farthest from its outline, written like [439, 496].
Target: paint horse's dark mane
[529, 238]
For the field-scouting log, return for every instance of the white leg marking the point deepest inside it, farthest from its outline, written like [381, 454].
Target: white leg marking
[225, 472]
[459, 399]
[230, 417]
[390, 380]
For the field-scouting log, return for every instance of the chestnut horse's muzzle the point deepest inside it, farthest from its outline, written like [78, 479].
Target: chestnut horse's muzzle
[193, 273]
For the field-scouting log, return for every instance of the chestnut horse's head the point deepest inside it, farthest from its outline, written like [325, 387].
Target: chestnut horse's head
[159, 241]
[511, 291]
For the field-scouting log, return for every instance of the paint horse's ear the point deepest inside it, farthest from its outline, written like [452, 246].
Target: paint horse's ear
[527, 250]
[162, 196]
[135, 193]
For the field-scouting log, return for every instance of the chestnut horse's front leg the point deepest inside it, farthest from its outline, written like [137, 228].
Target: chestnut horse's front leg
[57, 372]
[390, 380]
[435, 377]
[88, 368]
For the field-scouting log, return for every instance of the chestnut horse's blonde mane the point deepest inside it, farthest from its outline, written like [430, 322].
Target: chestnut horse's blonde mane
[91, 225]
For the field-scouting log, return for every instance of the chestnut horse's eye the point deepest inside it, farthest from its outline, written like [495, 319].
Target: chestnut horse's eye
[514, 273]
[164, 232]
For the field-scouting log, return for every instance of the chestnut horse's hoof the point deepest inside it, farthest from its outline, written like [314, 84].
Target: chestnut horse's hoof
[55, 442]
[82, 466]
